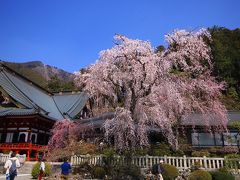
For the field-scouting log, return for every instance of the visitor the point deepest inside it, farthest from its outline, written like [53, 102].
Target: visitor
[157, 170]
[41, 168]
[11, 166]
[149, 175]
[159, 176]
[65, 169]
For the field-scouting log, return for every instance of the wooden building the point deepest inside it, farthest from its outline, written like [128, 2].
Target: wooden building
[192, 129]
[198, 136]
[28, 113]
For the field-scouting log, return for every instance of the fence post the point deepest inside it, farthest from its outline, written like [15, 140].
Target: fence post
[184, 162]
[205, 162]
[150, 161]
[71, 160]
[146, 161]
[1, 155]
[165, 159]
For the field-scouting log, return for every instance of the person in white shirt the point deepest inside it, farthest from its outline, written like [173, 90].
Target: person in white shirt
[41, 169]
[11, 166]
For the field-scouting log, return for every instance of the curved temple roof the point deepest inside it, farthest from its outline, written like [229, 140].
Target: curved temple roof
[57, 106]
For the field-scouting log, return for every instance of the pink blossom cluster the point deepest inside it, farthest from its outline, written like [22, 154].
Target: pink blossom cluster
[64, 133]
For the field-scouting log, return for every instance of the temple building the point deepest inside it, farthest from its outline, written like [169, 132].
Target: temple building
[28, 113]
[195, 132]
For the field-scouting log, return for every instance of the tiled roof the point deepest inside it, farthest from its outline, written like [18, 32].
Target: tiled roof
[31, 96]
[199, 120]
[16, 112]
[191, 120]
[97, 121]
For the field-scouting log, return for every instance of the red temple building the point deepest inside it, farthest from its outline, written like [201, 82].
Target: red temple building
[28, 113]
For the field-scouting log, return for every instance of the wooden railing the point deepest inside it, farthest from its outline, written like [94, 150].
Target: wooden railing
[181, 163]
[5, 157]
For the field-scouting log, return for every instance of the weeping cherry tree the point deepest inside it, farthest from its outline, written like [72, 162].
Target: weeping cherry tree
[154, 90]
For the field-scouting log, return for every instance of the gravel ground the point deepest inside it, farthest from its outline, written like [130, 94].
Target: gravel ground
[19, 177]
[28, 176]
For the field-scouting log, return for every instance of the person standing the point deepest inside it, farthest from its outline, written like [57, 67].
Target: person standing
[41, 169]
[159, 171]
[65, 170]
[11, 166]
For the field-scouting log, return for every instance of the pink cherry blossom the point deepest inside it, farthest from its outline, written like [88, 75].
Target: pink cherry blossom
[154, 90]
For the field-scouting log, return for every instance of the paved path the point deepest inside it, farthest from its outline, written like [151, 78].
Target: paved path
[19, 177]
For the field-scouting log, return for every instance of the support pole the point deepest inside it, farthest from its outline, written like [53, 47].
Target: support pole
[28, 155]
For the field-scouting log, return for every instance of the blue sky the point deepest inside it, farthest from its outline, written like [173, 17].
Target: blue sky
[70, 34]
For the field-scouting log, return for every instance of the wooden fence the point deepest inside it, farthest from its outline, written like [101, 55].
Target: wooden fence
[4, 158]
[181, 163]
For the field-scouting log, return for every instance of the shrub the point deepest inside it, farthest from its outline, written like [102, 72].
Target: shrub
[99, 172]
[232, 161]
[186, 148]
[36, 170]
[178, 153]
[141, 152]
[109, 152]
[161, 150]
[200, 153]
[169, 172]
[82, 169]
[130, 171]
[200, 175]
[233, 156]
[218, 175]
[224, 170]
[215, 151]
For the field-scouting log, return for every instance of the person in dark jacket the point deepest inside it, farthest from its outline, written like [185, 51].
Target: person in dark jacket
[65, 169]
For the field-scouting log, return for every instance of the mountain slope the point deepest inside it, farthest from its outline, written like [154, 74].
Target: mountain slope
[40, 73]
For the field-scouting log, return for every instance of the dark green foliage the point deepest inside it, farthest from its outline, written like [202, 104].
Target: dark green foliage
[169, 172]
[36, 170]
[57, 85]
[141, 152]
[232, 156]
[186, 148]
[126, 171]
[178, 153]
[224, 170]
[54, 84]
[232, 161]
[160, 49]
[99, 172]
[161, 150]
[218, 175]
[200, 175]
[200, 153]
[235, 124]
[226, 57]
[117, 171]
[109, 152]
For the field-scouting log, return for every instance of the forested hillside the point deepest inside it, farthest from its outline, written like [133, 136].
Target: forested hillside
[48, 77]
[226, 57]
